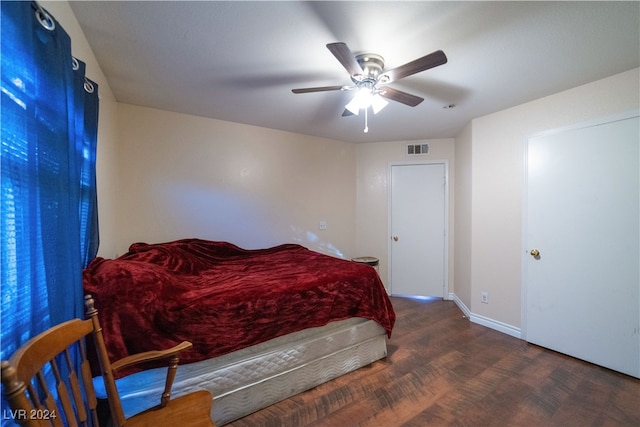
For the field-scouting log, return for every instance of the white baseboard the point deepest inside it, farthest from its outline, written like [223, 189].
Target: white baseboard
[460, 304]
[486, 321]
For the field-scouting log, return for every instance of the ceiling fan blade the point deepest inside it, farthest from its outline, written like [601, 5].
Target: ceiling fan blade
[317, 89]
[421, 64]
[346, 57]
[346, 113]
[400, 96]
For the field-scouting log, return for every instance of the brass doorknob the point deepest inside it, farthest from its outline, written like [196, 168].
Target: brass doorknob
[535, 253]
[395, 238]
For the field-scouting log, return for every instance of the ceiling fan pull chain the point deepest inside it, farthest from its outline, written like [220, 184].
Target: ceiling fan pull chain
[366, 121]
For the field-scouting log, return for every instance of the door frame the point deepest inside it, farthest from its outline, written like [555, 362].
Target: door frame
[446, 295]
[525, 256]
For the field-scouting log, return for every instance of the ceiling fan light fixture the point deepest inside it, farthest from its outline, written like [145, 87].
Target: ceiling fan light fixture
[365, 98]
[378, 103]
[361, 100]
[353, 106]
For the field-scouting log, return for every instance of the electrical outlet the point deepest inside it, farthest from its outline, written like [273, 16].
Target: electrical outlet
[484, 297]
[322, 225]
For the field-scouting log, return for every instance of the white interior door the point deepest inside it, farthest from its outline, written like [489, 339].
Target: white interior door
[418, 229]
[582, 291]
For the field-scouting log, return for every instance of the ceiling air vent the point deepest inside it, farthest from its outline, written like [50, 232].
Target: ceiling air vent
[413, 149]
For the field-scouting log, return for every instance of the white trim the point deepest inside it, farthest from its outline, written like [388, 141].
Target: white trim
[445, 163]
[524, 260]
[462, 306]
[586, 124]
[499, 326]
[486, 321]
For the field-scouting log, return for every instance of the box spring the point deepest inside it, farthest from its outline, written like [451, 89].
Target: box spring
[247, 380]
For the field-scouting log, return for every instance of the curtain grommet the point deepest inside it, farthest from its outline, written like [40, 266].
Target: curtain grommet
[88, 86]
[45, 19]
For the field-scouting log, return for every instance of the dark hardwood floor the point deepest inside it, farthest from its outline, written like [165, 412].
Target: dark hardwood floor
[444, 370]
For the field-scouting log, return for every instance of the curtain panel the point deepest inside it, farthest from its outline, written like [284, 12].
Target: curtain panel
[49, 223]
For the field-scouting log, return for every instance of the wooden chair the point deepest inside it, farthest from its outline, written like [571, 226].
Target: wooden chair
[73, 402]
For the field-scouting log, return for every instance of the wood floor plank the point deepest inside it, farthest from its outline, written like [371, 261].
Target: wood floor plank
[443, 370]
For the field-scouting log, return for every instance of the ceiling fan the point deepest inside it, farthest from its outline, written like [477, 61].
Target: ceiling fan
[371, 79]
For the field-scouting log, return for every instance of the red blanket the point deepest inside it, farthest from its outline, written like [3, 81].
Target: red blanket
[223, 298]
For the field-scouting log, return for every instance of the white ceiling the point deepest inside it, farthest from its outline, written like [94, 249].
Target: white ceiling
[239, 60]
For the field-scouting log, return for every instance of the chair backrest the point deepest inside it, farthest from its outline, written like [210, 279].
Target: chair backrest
[59, 353]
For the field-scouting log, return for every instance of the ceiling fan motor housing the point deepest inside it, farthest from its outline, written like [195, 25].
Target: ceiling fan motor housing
[372, 66]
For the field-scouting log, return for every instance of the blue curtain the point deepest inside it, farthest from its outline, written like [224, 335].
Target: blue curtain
[48, 212]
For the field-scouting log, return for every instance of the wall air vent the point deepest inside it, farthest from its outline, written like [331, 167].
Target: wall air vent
[413, 149]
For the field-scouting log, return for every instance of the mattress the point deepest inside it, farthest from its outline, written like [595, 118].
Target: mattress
[250, 379]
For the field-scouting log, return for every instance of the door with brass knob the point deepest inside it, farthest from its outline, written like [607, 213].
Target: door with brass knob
[582, 208]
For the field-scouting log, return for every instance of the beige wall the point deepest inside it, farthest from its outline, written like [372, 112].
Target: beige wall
[185, 176]
[372, 207]
[497, 185]
[462, 213]
[106, 167]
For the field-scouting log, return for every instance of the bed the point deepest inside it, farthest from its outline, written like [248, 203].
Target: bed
[265, 323]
